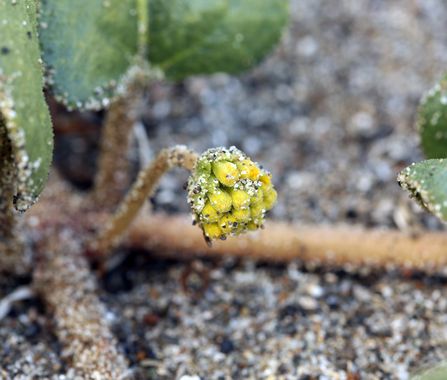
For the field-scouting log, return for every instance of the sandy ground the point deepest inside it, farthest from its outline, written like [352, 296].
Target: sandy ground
[331, 114]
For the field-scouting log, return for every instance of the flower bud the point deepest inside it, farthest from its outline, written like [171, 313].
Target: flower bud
[241, 215]
[258, 197]
[210, 214]
[240, 199]
[221, 201]
[248, 169]
[212, 231]
[270, 198]
[229, 193]
[226, 172]
[228, 223]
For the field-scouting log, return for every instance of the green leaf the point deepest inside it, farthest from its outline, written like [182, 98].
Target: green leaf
[427, 183]
[87, 45]
[201, 37]
[23, 110]
[432, 121]
[436, 373]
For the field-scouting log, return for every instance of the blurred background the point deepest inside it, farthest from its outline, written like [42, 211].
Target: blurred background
[331, 113]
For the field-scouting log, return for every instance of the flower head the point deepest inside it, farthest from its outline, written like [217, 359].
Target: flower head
[229, 193]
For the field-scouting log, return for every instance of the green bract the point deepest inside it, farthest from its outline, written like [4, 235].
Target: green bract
[432, 121]
[427, 183]
[23, 111]
[228, 193]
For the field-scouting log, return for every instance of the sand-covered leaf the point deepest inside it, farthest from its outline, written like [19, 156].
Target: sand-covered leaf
[432, 121]
[189, 37]
[87, 45]
[23, 111]
[427, 183]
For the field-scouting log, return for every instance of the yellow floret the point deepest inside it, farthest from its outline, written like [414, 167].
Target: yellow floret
[257, 212]
[249, 170]
[212, 230]
[226, 172]
[265, 187]
[209, 213]
[228, 223]
[242, 215]
[252, 226]
[266, 178]
[240, 198]
[258, 197]
[270, 198]
[221, 201]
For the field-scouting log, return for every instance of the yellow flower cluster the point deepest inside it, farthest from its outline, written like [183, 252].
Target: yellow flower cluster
[229, 193]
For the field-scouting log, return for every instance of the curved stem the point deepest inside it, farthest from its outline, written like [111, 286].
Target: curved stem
[112, 177]
[143, 187]
[63, 279]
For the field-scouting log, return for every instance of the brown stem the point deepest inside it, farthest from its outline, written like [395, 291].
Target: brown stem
[65, 283]
[143, 187]
[279, 241]
[284, 242]
[112, 177]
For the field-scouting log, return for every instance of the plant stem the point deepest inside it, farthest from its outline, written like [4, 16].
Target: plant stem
[143, 27]
[112, 177]
[61, 276]
[66, 284]
[350, 246]
[282, 242]
[143, 187]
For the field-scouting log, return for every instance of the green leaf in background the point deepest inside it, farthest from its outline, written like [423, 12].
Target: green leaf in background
[87, 46]
[188, 37]
[432, 121]
[437, 373]
[427, 183]
[23, 110]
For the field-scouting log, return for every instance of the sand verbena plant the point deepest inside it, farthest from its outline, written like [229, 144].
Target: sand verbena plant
[229, 193]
